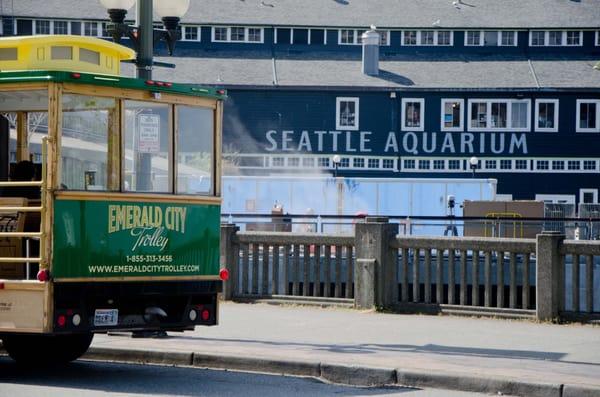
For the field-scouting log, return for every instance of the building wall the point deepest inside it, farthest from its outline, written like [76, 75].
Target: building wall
[267, 127]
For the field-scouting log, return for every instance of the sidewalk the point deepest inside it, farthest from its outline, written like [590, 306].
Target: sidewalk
[519, 351]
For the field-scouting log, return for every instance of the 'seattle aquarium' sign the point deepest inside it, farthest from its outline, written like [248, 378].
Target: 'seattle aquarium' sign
[134, 239]
[416, 143]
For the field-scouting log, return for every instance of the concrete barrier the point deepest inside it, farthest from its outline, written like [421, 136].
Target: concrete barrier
[465, 382]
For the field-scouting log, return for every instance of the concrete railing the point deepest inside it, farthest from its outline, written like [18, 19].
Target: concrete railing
[266, 264]
[576, 270]
[477, 272]
[375, 267]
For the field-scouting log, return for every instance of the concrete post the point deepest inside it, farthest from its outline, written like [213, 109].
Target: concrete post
[229, 259]
[549, 283]
[365, 284]
[372, 241]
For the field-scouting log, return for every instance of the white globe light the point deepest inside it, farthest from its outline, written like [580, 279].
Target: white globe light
[117, 4]
[473, 160]
[336, 159]
[171, 8]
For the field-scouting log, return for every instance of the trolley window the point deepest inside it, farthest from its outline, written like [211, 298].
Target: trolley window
[195, 144]
[88, 124]
[147, 161]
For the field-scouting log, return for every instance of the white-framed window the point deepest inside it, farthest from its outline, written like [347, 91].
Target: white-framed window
[354, 37]
[346, 113]
[542, 165]
[588, 113]
[452, 114]
[537, 38]
[490, 164]
[409, 37]
[373, 163]
[491, 38]
[104, 30]
[41, 26]
[574, 38]
[454, 164]
[388, 164]
[444, 37]
[237, 34]
[473, 38]
[190, 33]
[508, 38]
[555, 38]
[546, 115]
[413, 111]
[427, 38]
[499, 114]
[558, 165]
[61, 27]
[384, 37]
[220, 33]
[588, 196]
[254, 35]
[348, 37]
[323, 162]
[358, 162]
[597, 41]
[589, 165]
[521, 164]
[90, 28]
[506, 164]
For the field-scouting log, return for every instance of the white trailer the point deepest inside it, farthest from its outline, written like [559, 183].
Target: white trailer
[323, 195]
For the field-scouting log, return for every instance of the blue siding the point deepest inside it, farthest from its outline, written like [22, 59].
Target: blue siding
[273, 122]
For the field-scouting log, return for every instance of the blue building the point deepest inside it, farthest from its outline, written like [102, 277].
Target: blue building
[511, 83]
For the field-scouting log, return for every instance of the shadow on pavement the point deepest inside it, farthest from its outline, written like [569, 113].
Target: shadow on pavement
[370, 348]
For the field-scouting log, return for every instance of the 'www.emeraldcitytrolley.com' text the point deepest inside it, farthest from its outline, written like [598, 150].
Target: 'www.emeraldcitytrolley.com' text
[94, 269]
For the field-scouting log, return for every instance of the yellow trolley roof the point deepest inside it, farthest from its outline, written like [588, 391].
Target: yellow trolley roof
[62, 52]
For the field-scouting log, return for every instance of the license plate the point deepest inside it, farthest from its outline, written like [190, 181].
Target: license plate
[106, 317]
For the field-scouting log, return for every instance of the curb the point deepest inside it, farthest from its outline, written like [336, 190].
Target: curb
[353, 375]
[288, 367]
[478, 384]
[139, 356]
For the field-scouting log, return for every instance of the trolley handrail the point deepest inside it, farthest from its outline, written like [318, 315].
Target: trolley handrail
[20, 183]
[41, 235]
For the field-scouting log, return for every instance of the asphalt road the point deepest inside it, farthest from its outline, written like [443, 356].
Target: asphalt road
[86, 378]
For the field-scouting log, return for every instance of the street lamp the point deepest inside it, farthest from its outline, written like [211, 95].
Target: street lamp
[473, 162]
[336, 163]
[143, 36]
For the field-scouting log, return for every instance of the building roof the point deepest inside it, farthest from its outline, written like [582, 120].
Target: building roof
[350, 13]
[400, 72]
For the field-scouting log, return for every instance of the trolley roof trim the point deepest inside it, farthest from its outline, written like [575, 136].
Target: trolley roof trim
[33, 76]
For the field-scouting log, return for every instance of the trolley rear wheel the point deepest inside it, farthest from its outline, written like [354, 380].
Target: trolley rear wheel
[46, 349]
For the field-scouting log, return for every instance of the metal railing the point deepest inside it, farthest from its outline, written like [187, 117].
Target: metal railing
[503, 225]
[41, 235]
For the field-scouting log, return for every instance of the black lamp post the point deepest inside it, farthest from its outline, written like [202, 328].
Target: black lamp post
[473, 162]
[336, 159]
[143, 35]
